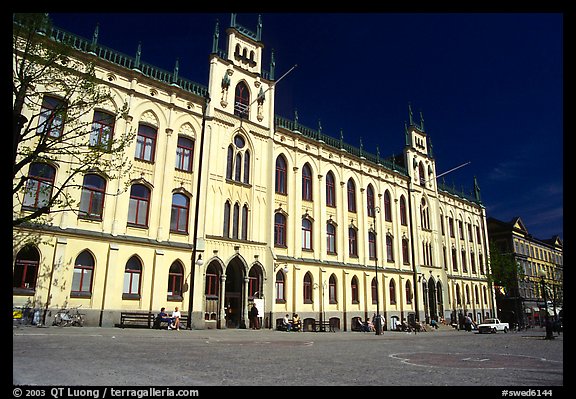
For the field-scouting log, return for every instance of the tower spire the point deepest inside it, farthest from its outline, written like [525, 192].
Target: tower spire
[259, 28]
[216, 36]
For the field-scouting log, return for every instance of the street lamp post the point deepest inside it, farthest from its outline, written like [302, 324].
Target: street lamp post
[547, 322]
[378, 323]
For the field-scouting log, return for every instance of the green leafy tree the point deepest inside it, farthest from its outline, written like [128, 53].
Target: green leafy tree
[47, 68]
[504, 271]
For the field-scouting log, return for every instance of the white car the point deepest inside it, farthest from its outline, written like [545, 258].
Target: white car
[492, 326]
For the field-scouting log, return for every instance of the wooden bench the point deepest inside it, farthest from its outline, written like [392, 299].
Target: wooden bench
[323, 326]
[146, 320]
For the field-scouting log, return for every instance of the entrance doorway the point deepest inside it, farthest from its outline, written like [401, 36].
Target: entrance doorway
[233, 296]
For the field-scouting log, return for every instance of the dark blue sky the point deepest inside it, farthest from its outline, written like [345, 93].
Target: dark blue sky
[490, 87]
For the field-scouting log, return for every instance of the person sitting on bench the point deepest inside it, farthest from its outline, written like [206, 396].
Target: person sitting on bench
[175, 320]
[286, 323]
[162, 316]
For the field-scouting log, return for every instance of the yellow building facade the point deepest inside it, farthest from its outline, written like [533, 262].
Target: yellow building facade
[283, 215]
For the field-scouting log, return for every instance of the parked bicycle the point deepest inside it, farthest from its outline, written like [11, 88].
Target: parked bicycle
[68, 317]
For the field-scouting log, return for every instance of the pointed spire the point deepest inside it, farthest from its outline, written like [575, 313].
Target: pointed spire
[175, 74]
[319, 126]
[295, 119]
[94, 39]
[233, 20]
[272, 65]
[406, 133]
[259, 28]
[378, 155]
[421, 121]
[138, 54]
[361, 147]
[410, 113]
[341, 139]
[215, 38]
[477, 190]
[430, 147]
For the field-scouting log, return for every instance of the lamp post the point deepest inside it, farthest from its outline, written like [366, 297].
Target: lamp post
[378, 323]
[547, 322]
[198, 261]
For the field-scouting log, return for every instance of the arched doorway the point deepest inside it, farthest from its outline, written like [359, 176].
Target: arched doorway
[233, 294]
[432, 299]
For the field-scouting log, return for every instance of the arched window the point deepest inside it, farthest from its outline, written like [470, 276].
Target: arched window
[307, 288]
[476, 297]
[255, 282]
[392, 291]
[51, 118]
[464, 263]
[184, 154]
[330, 190]
[226, 223]
[422, 175]
[405, 253]
[247, 167]
[244, 235]
[306, 182]
[280, 287]
[370, 201]
[332, 292]
[212, 288]
[229, 162]
[424, 215]
[26, 269]
[354, 288]
[92, 197]
[175, 281]
[139, 204]
[387, 206]
[238, 167]
[281, 175]
[403, 217]
[102, 130]
[242, 100]
[371, 245]
[279, 230]
[306, 234]
[179, 215]
[458, 299]
[374, 290]
[83, 272]
[38, 191]
[235, 220]
[145, 143]
[408, 292]
[351, 187]
[352, 242]
[454, 260]
[132, 276]
[389, 249]
[330, 238]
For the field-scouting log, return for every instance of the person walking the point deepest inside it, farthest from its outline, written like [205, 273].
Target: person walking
[254, 317]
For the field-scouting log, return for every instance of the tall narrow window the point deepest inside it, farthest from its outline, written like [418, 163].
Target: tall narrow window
[352, 242]
[247, 167]
[354, 288]
[184, 153]
[83, 272]
[330, 190]
[242, 100]
[212, 282]
[180, 211]
[145, 143]
[372, 245]
[132, 276]
[102, 130]
[454, 260]
[244, 235]
[235, 220]
[255, 282]
[403, 217]
[370, 201]
[405, 253]
[392, 291]
[374, 290]
[238, 167]
[306, 234]
[387, 206]
[38, 191]
[332, 297]
[408, 292]
[92, 197]
[330, 238]
[229, 162]
[51, 118]
[389, 249]
[307, 288]
[279, 230]
[306, 183]
[422, 175]
[175, 281]
[281, 175]
[351, 187]
[226, 223]
[139, 204]
[280, 287]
